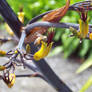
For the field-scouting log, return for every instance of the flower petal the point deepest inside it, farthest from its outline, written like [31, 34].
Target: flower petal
[43, 52]
[12, 78]
[84, 28]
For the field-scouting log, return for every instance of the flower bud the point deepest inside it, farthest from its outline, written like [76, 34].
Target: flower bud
[10, 80]
[2, 68]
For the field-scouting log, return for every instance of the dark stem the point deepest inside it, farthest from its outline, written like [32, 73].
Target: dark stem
[49, 24]
[57, 25]
[29, 66]
[16, 25]
[31, 75]
[38, 17]
[10, 17]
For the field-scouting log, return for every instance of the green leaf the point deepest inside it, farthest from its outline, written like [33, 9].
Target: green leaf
[85, 47]
[69, 44]
[85, 65]
[86, 85]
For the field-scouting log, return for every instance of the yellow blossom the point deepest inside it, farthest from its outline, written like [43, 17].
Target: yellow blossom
[90, 36]
[84, 28]
[43, 52]
[2, 53]
[21, 16]
[12, 78]
[2, 67]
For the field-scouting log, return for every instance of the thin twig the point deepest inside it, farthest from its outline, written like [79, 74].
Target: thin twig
[31, 75]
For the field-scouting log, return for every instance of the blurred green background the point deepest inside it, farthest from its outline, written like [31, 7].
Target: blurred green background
[68, 45]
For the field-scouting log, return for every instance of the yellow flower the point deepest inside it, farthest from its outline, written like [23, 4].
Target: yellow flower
[12, 78]
[2, 68]
[44, 50]
[84, 28]
[90, 36]
[21, 16]
[2, 53]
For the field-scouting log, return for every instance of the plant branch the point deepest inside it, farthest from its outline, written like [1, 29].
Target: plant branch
[29, 66]
[49, 24]
[31, 75]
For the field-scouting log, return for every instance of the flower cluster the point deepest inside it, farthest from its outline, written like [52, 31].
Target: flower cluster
[83, 31]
